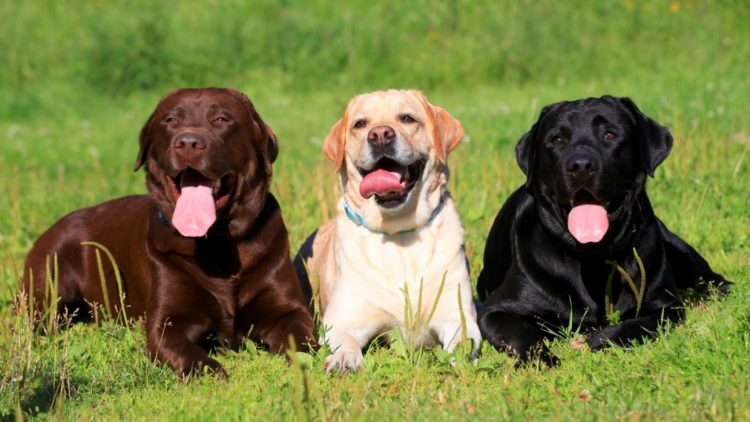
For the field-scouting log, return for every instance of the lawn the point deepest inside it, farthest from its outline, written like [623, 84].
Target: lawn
[78, 81]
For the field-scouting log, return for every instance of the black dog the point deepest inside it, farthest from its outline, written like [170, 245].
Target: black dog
[576, 242]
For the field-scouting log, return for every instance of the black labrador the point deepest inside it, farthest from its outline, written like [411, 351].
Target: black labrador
[579, 243]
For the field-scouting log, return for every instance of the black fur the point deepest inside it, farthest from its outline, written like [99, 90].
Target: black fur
[537, 278]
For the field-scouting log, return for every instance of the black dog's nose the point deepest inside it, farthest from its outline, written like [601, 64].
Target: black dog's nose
[380, 136]
[582, 165]
[191, 141]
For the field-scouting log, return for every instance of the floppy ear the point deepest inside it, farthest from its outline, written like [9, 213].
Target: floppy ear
[269, 145]
[524, 151]
[527, 145]
[271, 148]
[654, 140]
[334, 144]
[145, 143]
[448, 132]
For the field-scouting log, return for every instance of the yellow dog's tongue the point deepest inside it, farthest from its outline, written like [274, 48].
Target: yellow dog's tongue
[588, 223]
[195, 211]
[381, 182]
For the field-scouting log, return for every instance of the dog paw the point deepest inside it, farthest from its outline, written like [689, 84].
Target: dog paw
[475, 354]
[343, 361]
[451, 336]
[598, 341]
[205, 366]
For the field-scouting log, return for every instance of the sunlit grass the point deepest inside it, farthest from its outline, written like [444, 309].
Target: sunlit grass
[693, 371]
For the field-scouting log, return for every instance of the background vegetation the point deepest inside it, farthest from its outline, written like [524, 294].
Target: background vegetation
[78, 79]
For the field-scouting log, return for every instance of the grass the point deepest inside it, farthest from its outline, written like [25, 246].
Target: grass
[77, 82]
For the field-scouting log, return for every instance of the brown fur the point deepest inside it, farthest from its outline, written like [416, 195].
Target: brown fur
[194, 293]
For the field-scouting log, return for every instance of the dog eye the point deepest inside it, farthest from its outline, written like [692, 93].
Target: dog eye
[407, 118]
[220, 119]
[555, 140]
[170, 119]
[609, 135]
[359, 124]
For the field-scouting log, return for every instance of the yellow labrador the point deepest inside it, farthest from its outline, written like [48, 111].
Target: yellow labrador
[397, 231]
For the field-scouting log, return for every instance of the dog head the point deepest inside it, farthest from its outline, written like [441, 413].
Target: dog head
[390, 149]
[208, 157]
[586, 162]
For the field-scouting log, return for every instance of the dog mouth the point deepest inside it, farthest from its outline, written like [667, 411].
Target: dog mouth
[197, 198]
[588, 217]
[389, 181]
[220, 188]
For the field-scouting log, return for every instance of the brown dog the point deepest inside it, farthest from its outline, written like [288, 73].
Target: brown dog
[204, 257]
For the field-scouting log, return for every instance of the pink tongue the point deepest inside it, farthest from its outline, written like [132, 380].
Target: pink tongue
[588, 223]
[381, 182]
[195, 211]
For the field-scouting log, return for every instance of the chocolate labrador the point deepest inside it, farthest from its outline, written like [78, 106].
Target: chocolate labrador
[579, 243]
[204, 257]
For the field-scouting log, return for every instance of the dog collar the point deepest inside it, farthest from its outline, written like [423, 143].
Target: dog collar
[162, 219]
[357, 219]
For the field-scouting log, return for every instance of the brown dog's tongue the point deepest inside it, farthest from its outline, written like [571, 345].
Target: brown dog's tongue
[194, 212]
[588, 223]
[381, 182]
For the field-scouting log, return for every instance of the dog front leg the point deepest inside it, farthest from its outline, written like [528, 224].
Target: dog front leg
[274, 331]
[168, 343]
[450, 326]
[633, 329]
[515, 335]
[349, 332]
[346, 351]
[450, 333]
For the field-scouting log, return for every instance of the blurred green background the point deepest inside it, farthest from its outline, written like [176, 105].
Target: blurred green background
[60, 55]
[78, 79]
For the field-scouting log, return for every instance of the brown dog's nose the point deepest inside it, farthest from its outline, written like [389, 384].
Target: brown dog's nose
[190, 141]
[380, 136]
[582, 165]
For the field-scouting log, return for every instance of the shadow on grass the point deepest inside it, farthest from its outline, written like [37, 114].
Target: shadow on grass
[46, 395]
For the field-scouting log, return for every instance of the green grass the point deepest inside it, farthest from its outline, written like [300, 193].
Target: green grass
[78, 81]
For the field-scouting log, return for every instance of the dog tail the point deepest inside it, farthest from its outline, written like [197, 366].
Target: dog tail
[305, 252]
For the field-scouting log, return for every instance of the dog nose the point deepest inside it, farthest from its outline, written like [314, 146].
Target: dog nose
[190, 141]
[582, 165]
[381, 136]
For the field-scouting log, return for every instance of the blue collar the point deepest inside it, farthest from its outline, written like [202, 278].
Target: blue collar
[162, 218]
[358, 220]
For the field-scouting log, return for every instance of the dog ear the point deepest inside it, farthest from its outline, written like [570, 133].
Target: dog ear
[524, 151]
[269, 146]
[526, 146]
[447, 131]
[144, 143]
[271, 149]
[144, 140]
[334, 144]
[654, 140]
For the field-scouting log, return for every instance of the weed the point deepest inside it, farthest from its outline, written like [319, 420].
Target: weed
[119, 314]
[638, 291]
[409, 342]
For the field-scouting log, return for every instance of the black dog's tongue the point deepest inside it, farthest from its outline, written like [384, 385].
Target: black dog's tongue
[195, 210]
[588, 223]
